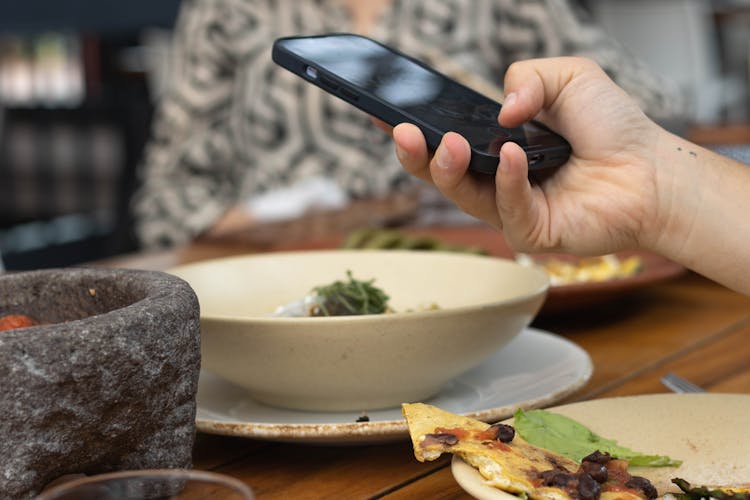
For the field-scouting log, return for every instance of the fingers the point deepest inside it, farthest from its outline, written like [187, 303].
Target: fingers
[451, 160]
[474, 195]
[516, 202]
[411, 150]
[510, 203]
[447, 170]
[535, 85]
[382, 125]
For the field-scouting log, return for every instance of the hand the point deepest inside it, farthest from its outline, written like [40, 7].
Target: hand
[235, 221]
[603, 199]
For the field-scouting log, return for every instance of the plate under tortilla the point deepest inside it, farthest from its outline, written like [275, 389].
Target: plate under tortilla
[708, 432]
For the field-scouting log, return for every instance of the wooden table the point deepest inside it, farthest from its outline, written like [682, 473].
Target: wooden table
[688, 325]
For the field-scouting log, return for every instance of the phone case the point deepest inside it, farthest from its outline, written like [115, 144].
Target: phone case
[539, 157]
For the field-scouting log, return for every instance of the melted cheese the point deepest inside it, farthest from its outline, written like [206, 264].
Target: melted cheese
[512, 467]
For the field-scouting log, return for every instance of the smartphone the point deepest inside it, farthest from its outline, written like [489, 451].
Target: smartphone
[397, 88]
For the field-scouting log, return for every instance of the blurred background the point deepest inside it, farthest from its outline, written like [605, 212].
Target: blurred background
[79, 79]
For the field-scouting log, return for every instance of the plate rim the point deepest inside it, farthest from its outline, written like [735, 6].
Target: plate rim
[387, 430]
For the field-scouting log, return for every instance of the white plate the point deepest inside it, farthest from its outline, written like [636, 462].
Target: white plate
[708, 432]
[535, 369]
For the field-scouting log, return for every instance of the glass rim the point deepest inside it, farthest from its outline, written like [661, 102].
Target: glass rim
[207, 476]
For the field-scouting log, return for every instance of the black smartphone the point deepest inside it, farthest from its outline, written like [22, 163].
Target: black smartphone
[397, 88]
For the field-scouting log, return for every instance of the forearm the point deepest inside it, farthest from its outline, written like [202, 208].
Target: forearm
[703, 212]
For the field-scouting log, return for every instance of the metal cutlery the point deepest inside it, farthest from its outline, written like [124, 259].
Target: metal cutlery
[675, 383]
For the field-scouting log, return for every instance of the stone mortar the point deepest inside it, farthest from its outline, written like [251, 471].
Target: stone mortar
[107, 383]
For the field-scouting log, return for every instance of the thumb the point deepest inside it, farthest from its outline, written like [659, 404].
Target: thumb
[536, 85]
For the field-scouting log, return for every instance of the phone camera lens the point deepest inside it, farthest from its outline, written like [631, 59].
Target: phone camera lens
[311, 72]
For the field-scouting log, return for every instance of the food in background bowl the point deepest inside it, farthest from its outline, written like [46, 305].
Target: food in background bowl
[360, 362]
[340, 298]
[585, 269]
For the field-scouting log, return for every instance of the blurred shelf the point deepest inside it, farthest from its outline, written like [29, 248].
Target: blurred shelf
[100, 16]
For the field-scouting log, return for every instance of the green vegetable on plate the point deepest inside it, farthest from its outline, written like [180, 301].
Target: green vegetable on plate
[569, 438]
[691, 492]
[369, 238]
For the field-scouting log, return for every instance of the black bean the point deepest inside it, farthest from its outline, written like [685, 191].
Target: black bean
[595, 470]
[504, 433]
[556, 478]
[443, 438]
[546, 476]
[643, 484]
[588, 487]
[597, 457]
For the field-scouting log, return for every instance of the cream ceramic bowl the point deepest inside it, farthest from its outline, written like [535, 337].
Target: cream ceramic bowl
[358, 362]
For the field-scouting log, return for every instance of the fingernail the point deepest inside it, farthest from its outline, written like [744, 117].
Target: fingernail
[443, 158]
[401, 154]
[510, 99]
[502, 163]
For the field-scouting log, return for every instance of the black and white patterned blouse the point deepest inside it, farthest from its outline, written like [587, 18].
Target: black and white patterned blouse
[232, 124]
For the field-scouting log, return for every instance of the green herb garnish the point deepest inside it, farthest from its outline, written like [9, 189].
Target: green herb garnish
[350, 298]
[567, 437]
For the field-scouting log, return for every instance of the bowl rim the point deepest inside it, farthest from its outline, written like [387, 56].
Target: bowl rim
[542, 289]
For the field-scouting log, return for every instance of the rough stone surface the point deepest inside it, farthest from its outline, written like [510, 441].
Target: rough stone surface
[108, 384]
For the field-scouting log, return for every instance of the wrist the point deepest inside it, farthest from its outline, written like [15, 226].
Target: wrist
[701, 219]
[675, 194]
[688, 187]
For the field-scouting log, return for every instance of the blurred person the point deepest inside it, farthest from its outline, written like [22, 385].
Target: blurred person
[628, 183]
[232, 125]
